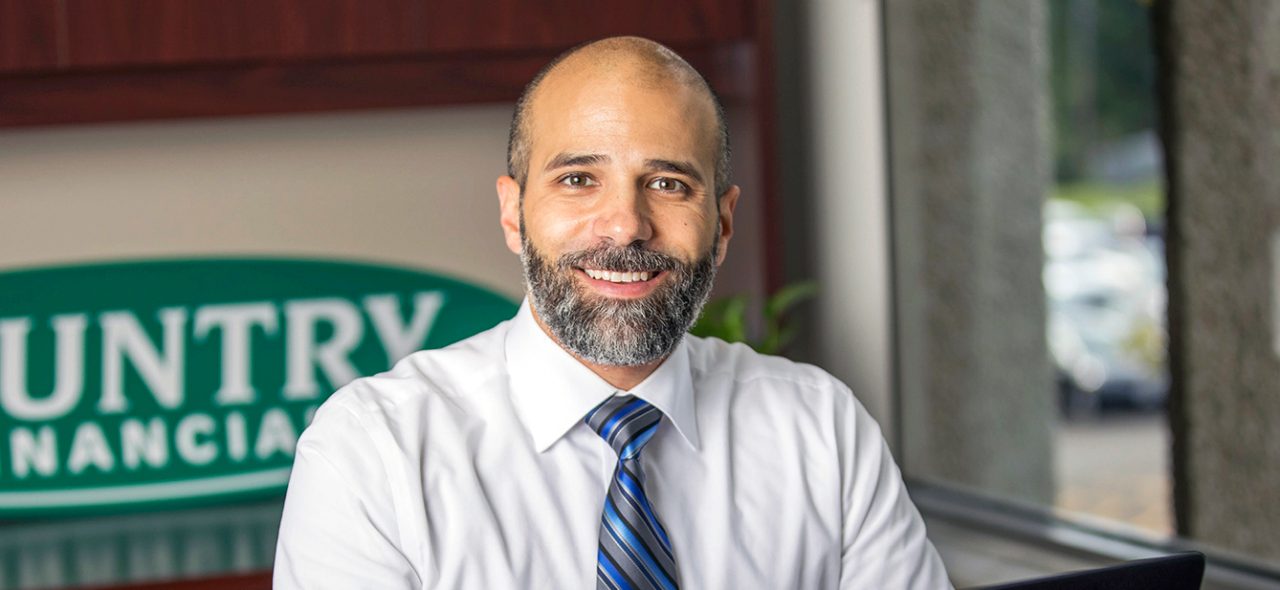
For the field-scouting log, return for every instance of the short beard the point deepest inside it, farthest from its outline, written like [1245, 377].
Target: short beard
[617, 332]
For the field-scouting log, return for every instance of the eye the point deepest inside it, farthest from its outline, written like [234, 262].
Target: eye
[667, 185]
[577, 180]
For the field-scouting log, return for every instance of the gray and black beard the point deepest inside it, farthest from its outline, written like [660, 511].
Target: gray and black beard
[617, 332]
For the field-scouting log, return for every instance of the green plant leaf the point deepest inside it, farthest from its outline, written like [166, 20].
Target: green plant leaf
[726, 318]
[723, 318]
[735, 319]
[788, 297]
[785, 336]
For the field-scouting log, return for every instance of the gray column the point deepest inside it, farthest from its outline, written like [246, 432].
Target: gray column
[1221, 99]
[970, 161]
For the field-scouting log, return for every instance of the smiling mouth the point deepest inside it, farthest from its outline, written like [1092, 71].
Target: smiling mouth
[614, 276]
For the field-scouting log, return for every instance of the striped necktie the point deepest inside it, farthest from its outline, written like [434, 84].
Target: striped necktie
[634, 553]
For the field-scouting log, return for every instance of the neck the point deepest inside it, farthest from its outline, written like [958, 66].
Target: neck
[624, 377]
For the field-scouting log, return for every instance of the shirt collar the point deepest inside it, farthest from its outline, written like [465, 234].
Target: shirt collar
[552, 391]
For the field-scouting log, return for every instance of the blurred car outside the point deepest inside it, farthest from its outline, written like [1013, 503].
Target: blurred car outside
[1104, 279]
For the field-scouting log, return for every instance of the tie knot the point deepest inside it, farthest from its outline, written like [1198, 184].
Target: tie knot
[626, 422]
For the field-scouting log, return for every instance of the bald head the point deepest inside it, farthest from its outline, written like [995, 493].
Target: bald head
[644, 63]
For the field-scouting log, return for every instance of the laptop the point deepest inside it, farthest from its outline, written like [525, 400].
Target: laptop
[1182, 571]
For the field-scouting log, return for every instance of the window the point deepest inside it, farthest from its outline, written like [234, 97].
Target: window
[1030, 216]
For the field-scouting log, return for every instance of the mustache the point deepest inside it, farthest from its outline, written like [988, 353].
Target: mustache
[618, 258]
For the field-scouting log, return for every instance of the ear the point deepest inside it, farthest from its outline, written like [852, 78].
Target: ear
[509, 204]
[728, 200]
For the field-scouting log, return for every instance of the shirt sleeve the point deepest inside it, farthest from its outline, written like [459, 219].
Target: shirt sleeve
[339, 528]
[884, 542]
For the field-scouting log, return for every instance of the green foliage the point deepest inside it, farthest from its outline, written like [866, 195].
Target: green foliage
[1102, 76]
[1146, 196]
[726, 318]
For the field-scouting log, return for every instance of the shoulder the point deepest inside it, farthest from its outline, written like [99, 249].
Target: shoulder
[806, 416]
[771, 392]
[716, 361]
[799, 408]
[429, 382]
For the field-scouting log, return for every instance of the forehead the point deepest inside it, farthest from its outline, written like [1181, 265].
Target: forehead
[621, 110]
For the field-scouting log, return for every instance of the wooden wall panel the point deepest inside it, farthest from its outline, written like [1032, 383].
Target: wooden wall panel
[169, 32]
[122, 60]
[329, 28]
[254, 581]
[214, 91]
[28, 35]
[461, 25]
[234, 91]
[122, 33]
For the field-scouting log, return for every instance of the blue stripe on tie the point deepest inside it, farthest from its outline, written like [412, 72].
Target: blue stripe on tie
[637, 443]
[633, 423]
[612, 576]
[630, 551]
[636, 549]
[606, 430]
[632, 488]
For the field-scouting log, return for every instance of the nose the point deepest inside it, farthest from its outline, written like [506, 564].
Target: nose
[624, 218]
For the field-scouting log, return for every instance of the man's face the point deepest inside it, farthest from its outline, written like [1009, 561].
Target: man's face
[618, 225]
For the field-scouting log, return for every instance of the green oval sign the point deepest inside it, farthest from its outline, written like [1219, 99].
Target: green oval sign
[181, 381]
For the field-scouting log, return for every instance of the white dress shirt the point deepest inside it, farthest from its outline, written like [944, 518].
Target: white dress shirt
[471, 467]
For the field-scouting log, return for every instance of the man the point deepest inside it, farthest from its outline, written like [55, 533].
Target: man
[588, 442]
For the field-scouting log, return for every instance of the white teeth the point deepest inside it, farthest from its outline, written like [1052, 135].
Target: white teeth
[617, 277]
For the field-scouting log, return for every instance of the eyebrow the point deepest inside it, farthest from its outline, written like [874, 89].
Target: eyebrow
[570, 160]
[684, 168]
[567, 160]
